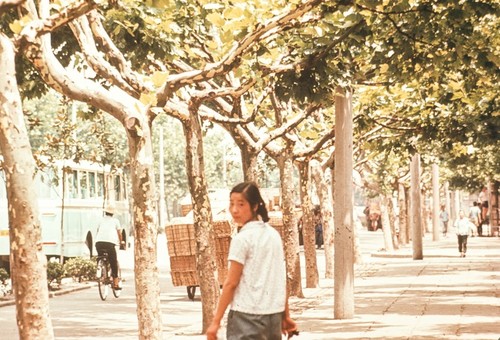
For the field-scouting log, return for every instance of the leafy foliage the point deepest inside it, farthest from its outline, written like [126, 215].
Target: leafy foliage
[80, 269]
[4, 276]
[55, 272]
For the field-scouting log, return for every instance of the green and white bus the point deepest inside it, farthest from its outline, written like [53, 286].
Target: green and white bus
[69, 222]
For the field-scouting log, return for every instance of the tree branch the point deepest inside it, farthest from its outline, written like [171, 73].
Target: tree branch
[39, 27]
[232, 58]
[83, 34]
[113, 54]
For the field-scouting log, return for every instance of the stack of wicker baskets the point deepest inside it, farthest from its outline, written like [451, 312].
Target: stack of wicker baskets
[276, 221]
[181, 243]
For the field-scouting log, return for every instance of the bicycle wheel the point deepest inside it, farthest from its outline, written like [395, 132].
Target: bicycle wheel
[117, 292]
[103, 281]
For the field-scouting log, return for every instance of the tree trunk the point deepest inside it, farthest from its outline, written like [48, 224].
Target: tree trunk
[343, 193]
[308, 227]
[392, 222]
[326, 203]
[403, 215]
[426, 214]
[415, 208]
[447, 199]
[147, 285]
[386, 226]
[435, 203]
[291, 233]
[206, 265]
[27, 261]
[249, 165]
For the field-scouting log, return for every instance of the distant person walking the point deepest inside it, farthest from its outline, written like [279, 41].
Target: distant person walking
[463, 228]
[444, 217]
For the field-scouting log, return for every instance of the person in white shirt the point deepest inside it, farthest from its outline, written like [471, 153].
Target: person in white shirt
[255, 286]
[463, 228]
[109, 236]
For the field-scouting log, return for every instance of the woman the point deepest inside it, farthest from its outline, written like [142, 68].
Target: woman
[463, 228]
[255, 285]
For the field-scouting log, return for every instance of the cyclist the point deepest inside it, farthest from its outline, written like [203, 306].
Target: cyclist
[107, 238]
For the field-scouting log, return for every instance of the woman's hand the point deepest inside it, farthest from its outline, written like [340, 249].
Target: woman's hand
[289, 327]
[212, 331]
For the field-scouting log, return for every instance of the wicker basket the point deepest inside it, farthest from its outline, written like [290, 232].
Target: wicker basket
[181, 244]
[276, 221]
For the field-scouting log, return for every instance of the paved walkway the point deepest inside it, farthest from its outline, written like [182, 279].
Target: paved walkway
[442, 296]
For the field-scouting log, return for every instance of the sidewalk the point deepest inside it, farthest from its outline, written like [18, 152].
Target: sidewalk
[442, 296]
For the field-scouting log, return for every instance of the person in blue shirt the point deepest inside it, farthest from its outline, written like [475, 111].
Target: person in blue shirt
[443, 216]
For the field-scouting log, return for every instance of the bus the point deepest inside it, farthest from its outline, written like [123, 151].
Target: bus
[71, 198]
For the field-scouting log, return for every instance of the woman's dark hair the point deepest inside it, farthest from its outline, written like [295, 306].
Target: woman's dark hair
[252, 194]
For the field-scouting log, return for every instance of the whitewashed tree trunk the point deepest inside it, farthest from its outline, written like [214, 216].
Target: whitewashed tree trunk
[403, 215]
[436, 226]
[344, 244]
[326, 202]
[308, 227]
[27, 261]
[206, 265]
[447, 198]
[147, 285]
[415, 208]
[392, 222]
[291, 233]
[386, 226]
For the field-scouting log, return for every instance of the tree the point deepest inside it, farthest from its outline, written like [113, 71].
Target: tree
[30, 291]
[344, 240]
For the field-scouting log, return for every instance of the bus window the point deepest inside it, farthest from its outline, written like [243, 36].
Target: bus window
[100, 184]
[124, 188]
[73, 184]
[116, 185]
[92, 190]
[84, 188]
[45, 184]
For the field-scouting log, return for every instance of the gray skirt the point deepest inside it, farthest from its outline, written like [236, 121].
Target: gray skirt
[244, 326]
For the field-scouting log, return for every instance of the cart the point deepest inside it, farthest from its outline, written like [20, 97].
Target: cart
[181, 244]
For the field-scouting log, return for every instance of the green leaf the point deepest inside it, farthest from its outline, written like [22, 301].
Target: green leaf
[159, 78]
[216, 19]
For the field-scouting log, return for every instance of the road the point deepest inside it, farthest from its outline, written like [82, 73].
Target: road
[82, 314]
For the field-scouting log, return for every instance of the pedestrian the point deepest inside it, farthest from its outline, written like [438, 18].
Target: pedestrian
[463, 228]
[107, 237]
[475, 218]
[375, 222]
[483, 201]
[318, 227]
[444, 217]
[255, 287]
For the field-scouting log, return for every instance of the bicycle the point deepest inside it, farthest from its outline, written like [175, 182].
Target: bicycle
[104, 278]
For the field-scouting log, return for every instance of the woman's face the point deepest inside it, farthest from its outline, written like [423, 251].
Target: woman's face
[240, 209]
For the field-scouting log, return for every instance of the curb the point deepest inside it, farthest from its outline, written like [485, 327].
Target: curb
[9, 301]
